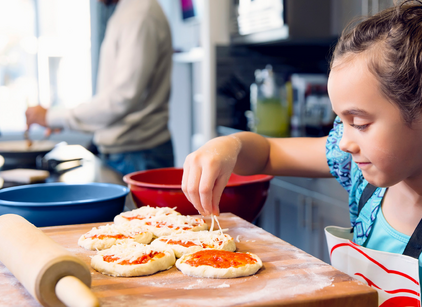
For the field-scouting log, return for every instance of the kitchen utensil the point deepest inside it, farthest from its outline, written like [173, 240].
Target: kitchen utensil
[27, 138]
[48, 204]
[63, 157]
[19, 153]
[244, 195]
[48, 271]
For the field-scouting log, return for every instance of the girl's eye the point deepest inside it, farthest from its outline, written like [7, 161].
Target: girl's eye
[359, 127]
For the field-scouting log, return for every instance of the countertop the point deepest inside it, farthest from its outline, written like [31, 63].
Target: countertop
[289, 277]
[88, 169]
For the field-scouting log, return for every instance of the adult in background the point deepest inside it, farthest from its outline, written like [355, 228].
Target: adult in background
[129, 114]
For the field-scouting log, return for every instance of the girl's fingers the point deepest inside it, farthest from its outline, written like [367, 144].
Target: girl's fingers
[185, 179]
[219, 186]
[206, 173]
[193, 189]
[206, 187]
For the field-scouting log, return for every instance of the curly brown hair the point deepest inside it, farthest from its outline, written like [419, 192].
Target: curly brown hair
[393, 41]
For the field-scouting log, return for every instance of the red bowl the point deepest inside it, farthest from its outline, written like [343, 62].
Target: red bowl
[244, 195]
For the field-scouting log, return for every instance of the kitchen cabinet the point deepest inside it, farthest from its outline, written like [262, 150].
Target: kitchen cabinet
[346, 11]
[298, 209]
[202, 65]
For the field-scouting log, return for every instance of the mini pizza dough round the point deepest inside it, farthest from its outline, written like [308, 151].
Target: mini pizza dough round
[188, 242]
[108, 235]
[144, 212]
[123, 255]
[167, 225]
[218, 269]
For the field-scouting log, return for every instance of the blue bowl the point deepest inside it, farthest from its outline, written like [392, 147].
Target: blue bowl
[52, 204]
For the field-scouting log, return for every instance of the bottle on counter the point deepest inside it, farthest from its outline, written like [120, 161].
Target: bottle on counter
[269, 105]
[312, 114]
[319, 115]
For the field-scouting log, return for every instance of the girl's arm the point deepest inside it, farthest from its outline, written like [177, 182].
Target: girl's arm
[207, 170]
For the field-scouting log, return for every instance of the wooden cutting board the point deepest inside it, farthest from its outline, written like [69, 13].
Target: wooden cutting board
[289, 277]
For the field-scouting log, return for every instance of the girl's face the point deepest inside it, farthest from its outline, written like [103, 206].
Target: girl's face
[382, 145]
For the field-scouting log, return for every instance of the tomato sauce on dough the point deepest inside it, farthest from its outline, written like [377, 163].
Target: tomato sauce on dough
[164, 224]
[136, 217]
[220, 259]
[140, 260]
[186, 243]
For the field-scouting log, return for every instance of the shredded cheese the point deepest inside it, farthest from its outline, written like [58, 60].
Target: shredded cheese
[213, 239]
[213, 217]
[148, 212]
[218, 223]
[130, 251]
[126, 229]
[174, 222]
[212, 222]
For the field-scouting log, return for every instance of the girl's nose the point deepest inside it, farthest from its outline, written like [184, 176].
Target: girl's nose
[348, 145]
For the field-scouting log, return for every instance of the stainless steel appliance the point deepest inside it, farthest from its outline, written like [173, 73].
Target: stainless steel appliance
[262, 21]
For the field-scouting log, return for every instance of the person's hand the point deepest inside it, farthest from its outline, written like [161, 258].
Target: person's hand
[36, 115]
[50, 131]
[207, 171]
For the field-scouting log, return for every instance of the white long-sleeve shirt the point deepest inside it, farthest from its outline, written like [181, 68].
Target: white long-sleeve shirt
[130, 111]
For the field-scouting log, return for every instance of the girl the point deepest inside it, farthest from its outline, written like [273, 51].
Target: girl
[374, 148]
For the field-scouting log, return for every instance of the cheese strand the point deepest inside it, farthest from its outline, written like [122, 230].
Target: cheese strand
[212, 222]
[218, 223]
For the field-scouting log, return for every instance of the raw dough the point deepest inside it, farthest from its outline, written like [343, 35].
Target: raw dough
[143, 213]
[123, 255]
[189, 242]
[220, 264]
[106, 236]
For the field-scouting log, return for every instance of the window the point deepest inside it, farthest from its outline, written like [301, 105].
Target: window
[45, 57]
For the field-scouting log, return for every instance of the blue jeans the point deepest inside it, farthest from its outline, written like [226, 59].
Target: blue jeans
[133, 161]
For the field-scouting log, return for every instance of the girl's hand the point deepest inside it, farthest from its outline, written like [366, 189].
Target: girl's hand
[207, 171]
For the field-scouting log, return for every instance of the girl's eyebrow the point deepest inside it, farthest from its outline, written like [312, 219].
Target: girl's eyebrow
[356, 112]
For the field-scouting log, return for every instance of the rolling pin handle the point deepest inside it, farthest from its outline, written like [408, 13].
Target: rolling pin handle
[74, 293]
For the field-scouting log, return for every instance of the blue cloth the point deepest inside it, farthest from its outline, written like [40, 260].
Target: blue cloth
[370, 227]
[129, 162]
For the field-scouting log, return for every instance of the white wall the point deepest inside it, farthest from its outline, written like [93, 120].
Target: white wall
[186, 34]
[192, 103]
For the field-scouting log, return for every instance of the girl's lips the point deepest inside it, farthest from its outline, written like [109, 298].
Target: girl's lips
[363, 165]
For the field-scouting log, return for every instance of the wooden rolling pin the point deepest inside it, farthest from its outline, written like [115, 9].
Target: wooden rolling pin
[47, 270]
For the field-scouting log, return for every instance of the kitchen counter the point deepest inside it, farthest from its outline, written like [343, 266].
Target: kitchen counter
[289, 277]
[88, 169]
